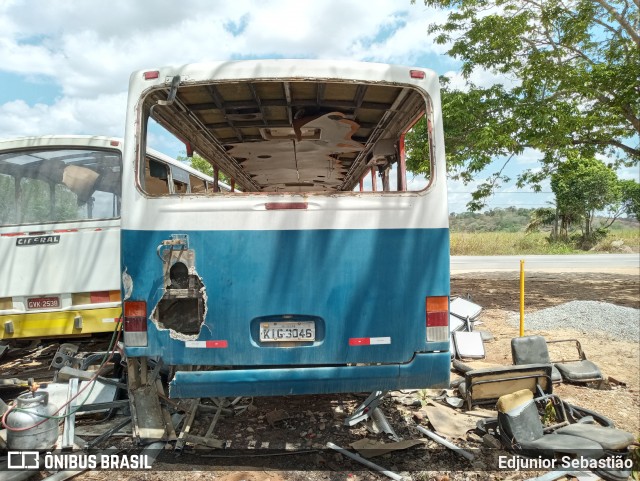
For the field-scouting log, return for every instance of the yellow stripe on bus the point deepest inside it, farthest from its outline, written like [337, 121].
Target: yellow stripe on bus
[49, 324]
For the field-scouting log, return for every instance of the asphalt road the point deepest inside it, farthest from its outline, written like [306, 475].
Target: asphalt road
[614, 263]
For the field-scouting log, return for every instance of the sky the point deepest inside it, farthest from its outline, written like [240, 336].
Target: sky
[65, 65]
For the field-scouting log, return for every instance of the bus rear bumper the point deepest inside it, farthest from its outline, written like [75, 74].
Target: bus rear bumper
[424, 370]
[58, 323]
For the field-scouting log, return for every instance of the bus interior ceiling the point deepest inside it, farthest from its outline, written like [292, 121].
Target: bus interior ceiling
[290, 136]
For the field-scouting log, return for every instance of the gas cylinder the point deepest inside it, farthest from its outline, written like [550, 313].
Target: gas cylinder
[30, 407]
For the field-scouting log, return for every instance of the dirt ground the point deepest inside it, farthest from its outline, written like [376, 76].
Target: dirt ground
[312, 421]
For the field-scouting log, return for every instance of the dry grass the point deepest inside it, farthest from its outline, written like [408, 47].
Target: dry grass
[515, 243]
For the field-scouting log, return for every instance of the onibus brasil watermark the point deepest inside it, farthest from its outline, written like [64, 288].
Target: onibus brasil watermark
[50, 460]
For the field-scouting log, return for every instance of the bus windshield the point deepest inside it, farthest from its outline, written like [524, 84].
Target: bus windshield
[51, 185]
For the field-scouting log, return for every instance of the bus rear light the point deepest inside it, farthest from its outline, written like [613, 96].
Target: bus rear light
[6, 303]
[114, 143]
[135, 323]
[152, 74]
[98, 297]
[437, 313]
[419, 74]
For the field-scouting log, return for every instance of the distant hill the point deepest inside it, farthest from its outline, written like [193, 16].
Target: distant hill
[511, 219]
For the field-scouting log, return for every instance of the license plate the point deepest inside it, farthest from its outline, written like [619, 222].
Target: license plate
[287, 331]
[43, 302]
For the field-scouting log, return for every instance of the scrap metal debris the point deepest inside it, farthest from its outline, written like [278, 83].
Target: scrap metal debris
[369, 464]
[370, 448]
[444, 442]
[275, 416]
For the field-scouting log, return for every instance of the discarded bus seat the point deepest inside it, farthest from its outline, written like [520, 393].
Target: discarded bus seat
[578, 370]
[533, 349]
[527, 349]
[521, 430]
[610, 439]
[483, 386]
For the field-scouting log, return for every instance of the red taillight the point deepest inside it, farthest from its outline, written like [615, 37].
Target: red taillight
[419, 74]
[437, 318]
[152, 74]
[101, 296]
[135, 323]
[135, 309]
[114, 143]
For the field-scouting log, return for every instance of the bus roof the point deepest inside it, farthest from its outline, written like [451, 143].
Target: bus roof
[57, 140]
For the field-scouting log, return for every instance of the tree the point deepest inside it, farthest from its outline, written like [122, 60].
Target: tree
[202, 165]
[582, 186]
[571, 68]
[630, 198]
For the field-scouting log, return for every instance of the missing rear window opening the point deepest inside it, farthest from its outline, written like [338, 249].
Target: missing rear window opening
[299, 136]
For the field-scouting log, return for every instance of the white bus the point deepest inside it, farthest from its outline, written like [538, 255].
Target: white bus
[60, 232]
[325, 272]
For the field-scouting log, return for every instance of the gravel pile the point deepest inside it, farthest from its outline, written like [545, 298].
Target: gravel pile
[617, 322]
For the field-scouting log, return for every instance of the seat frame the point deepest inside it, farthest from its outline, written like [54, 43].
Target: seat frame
[535, 377]
[581, 357]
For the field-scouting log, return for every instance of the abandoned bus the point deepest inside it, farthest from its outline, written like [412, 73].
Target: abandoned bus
[327, 270]
[60, 232]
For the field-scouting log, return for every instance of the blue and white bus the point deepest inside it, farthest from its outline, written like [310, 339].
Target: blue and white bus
[323, 269]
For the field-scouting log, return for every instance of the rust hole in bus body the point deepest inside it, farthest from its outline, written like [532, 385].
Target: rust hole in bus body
[182, 308]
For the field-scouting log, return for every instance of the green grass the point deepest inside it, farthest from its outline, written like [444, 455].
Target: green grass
[515, 243]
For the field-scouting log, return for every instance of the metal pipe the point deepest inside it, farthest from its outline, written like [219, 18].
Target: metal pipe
[381, 421]
[445, 443]
[367, 463]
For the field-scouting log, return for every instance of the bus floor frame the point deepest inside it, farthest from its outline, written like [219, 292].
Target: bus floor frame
[151, 420]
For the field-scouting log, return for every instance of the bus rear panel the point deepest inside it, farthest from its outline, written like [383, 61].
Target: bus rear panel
[59, 236]
[321, 270]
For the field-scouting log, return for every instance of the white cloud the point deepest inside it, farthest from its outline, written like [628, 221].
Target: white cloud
[629, 173]
[480, 78]
[90, 48]
[529, 157]
[103, 115]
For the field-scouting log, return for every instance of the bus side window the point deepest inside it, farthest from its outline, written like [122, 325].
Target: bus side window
[156, 177]
[197, 185]
[8, 206]
[390, 161]
[180, 180]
